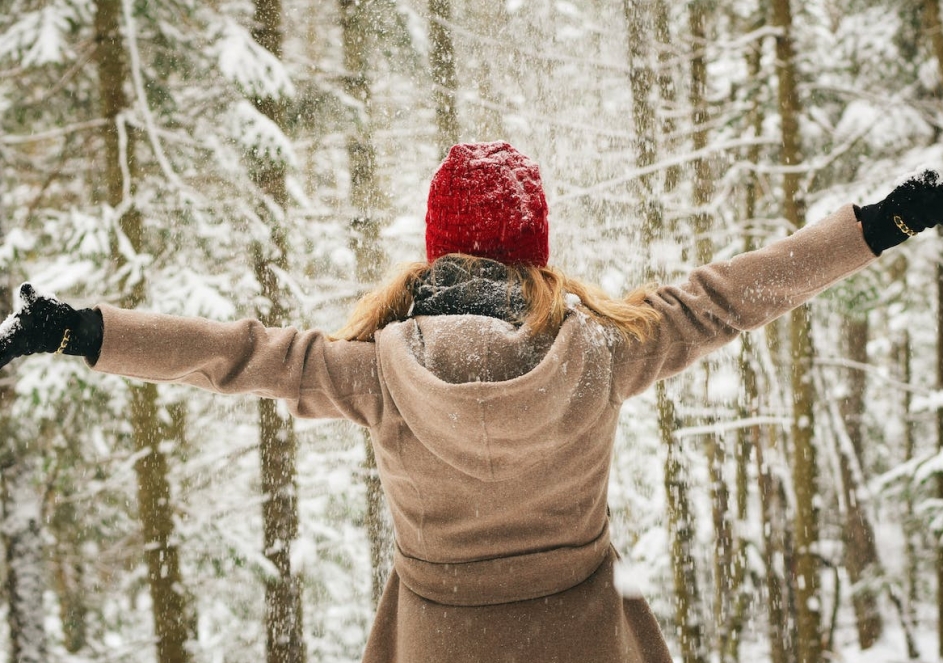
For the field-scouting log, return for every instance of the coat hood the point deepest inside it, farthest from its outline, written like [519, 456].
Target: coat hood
[489, 398]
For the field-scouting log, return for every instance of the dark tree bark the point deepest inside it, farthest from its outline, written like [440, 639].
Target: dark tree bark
[805, 455]
[703, 190]
[442, 60]
[934, 29]
[861, 559]
[367, 201]
[284, 619]
[174, 624]
[639, 21]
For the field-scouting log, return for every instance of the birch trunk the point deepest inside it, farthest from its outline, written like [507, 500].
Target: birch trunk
[23, 542]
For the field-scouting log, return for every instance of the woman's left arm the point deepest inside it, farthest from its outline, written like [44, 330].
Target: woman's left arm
[722, 299]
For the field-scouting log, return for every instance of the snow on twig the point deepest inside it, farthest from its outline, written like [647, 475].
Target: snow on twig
[675, 160]
[138, 81]
[14, 139]
[718, 427]
[873, 371]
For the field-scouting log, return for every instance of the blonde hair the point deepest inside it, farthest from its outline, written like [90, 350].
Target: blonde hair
[545, 291]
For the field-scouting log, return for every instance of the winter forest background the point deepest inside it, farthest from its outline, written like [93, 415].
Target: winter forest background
[783, 501]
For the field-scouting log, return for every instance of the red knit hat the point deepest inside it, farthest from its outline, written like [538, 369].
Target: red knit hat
[486, 200]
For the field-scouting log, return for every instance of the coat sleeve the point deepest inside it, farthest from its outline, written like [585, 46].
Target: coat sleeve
[316, 377]
[722, 299]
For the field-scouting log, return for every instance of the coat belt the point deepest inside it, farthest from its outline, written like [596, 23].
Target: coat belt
[502, 579]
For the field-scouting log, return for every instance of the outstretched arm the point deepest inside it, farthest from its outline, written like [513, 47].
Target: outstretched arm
[44, 324]
[316, 377]
[720, 300]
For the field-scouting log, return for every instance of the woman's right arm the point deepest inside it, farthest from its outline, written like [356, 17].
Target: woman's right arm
[316, 377]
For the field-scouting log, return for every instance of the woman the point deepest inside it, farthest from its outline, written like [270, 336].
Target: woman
[491, 385]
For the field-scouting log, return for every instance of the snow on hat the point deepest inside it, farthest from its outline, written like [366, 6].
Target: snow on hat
[486, 200]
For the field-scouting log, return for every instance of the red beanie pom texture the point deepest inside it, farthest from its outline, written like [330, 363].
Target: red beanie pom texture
[486, 200]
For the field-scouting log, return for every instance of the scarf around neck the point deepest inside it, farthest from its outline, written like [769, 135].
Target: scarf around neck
[457, 286]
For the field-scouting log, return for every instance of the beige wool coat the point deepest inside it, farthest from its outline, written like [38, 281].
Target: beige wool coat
[493, 446]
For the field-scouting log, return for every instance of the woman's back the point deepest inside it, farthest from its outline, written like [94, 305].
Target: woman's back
[483, 469]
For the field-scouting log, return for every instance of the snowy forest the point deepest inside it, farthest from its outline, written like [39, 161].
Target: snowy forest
[782, 501]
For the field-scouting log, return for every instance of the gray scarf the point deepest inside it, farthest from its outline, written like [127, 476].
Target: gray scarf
[455, 286]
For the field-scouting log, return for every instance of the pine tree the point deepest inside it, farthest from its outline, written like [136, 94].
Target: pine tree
[173, 617]
[367, 202]
[442, 62]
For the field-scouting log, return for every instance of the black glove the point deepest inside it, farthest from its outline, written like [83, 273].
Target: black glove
[44, 324]
[914, 206]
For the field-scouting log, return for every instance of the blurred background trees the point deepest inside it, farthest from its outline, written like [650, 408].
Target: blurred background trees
[271, 159]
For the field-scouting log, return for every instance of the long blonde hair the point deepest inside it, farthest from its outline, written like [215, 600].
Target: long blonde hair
[545, 291]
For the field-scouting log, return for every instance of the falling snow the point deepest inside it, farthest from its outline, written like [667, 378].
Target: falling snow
[551, 77]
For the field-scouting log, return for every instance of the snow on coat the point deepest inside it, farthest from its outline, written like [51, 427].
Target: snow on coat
[494, 447]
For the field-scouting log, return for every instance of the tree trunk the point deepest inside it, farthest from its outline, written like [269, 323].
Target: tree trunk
[700, 116]
[774, 548]
[284, 617]
[172, 621]
[805, 479]
[912, 530]
[283, 608]
[644, 118]
[860, 551]
[366, 199]
[748, 438]
[69, 573]
[683, 537]
[490, 19]
[25, 568]
[939, 442]
[442, 61]
[22, 536]
[21, 529]
[667, 65]
[365, 195]
[805, 470]
[934, 23]
[174, 624]
[703, 190]
[680, 518]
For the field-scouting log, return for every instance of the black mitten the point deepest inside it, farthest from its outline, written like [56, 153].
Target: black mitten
[914, 206]
[44, 324]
